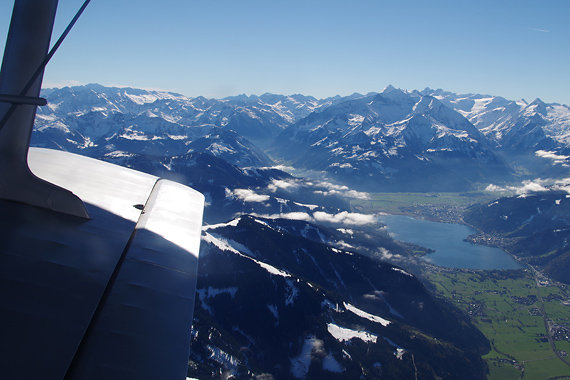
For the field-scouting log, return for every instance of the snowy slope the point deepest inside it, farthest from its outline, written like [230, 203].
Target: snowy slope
[95, 120]
[514, 124]
[274, 302]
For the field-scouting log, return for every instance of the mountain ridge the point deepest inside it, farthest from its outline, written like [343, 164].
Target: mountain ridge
[377, 141]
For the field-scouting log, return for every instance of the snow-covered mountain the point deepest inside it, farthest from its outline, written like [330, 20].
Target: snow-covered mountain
[98, 120]
[394, 139]
[514, 125]
[273, 301]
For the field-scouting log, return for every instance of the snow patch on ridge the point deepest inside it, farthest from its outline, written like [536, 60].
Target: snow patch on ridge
[343, 334]
[402, 271]
[232, 223]
[365, 315]
[233, 246]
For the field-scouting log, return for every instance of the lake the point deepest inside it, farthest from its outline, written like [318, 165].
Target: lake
[446, 239]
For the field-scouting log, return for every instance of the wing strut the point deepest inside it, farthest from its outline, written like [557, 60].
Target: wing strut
[25, 56]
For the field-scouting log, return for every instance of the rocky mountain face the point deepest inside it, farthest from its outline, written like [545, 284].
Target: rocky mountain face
[392, 140]
[535, 227]
[95, 120]
[517, 128]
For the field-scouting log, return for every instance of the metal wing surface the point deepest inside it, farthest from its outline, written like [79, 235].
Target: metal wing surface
[110, 297]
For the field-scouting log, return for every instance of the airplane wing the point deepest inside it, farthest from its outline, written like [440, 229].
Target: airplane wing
[110, 297]
[97, 262]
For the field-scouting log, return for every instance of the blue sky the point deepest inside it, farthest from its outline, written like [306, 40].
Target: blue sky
[215, 48]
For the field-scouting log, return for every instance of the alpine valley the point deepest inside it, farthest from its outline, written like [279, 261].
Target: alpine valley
[297, 277]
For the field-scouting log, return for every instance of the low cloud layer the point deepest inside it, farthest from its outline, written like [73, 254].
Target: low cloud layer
[282, 184]
[556, 158]
[532, 186]
[294, 216]
[344, 218]
[246, 195]
[340, 190]
[283, 168]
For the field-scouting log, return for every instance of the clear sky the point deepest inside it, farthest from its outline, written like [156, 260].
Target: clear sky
[215, 48]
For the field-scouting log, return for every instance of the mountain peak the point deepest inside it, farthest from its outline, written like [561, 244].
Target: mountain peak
[537, 101]
[538, 106]
[393, 94]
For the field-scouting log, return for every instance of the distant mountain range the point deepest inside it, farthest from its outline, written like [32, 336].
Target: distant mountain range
[394, 140]
[513, 125]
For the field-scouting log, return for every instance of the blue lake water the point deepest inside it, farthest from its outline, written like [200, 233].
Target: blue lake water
[446, 239]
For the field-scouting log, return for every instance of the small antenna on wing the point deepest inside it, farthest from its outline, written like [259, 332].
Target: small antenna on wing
[25, 57]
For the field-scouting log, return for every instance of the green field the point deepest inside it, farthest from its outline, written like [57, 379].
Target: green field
[506, 307]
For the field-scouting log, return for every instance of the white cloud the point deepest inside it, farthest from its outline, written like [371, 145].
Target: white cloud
[296, 216]
[357, 194]
[495, 188]
[327, 188]
[341, 190]
[387, 255]
[246, 195]
[536, 185]
[282, 184]
[530, 186]
[342, 218]
[344, 245]
[556, 158]
[345, 217]
[332, 186]
[384, 253]
[344, 193]
[562, 185]
[287, 215]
